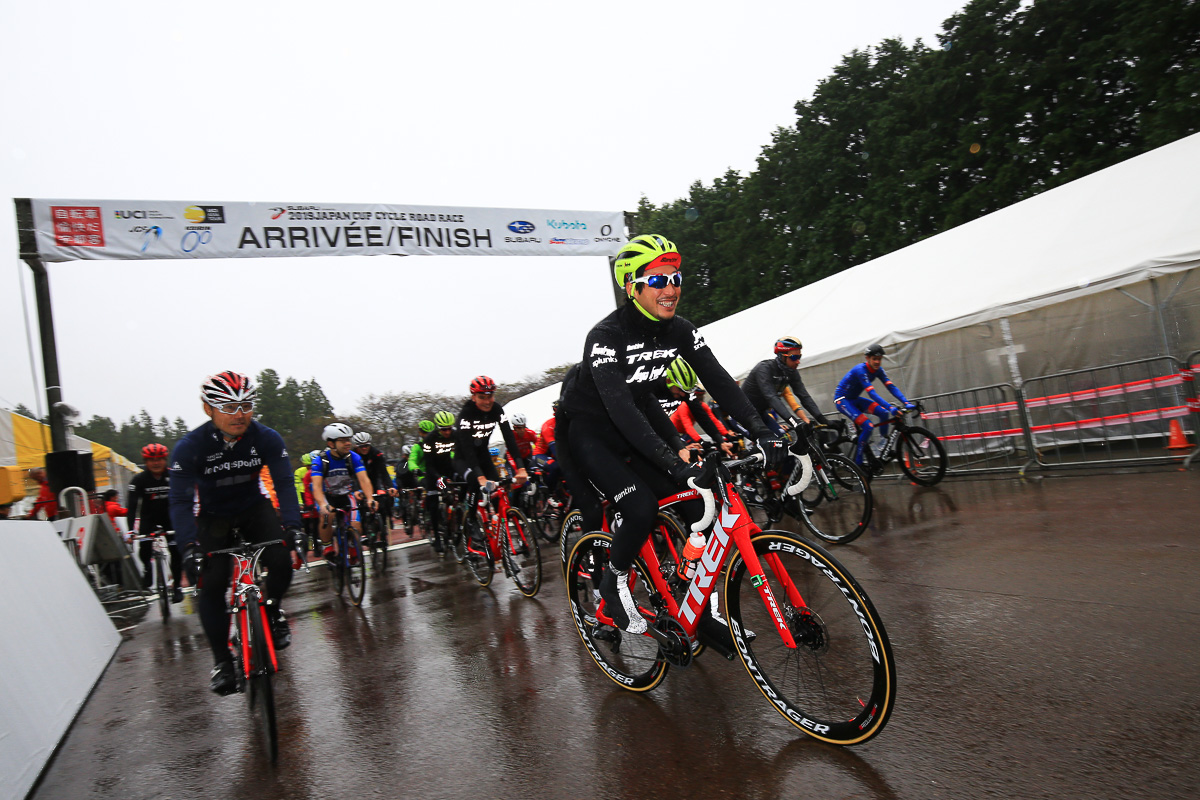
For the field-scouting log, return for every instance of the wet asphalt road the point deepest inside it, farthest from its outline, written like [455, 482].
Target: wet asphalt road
[1047, 640]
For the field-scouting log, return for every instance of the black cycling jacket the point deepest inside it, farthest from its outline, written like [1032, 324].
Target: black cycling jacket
[151, 494]
[475, 429]
[764, 386]
[623, 357]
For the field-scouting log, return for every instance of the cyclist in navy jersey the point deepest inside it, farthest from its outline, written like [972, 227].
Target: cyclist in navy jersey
[148, 495]
[338, 476]
[215, 486]
[620, 439]
[847, 398]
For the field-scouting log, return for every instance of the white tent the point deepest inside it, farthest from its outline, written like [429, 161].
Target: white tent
[1117, 229]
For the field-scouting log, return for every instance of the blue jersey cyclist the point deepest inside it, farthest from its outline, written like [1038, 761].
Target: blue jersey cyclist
[339, 478]
[215, 487]
[848, 399]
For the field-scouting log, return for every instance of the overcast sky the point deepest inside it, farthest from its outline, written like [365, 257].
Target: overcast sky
[566, 106]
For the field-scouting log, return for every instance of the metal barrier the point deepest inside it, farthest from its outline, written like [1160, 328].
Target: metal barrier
[1191, 370]
[983, 429]
[1118, 413]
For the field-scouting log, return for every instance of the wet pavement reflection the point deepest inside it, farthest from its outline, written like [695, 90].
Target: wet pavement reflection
[1046, 641]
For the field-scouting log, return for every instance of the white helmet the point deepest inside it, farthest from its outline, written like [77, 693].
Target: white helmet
[518, 420]
[407, 449]
[361, 438]
[336, 430]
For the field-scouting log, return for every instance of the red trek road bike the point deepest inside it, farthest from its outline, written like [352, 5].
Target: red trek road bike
[497, 530]
[800, 624]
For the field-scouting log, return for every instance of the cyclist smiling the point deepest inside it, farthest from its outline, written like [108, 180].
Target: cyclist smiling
[620, 439]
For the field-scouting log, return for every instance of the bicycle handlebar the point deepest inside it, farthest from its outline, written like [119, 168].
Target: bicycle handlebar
[246, 547]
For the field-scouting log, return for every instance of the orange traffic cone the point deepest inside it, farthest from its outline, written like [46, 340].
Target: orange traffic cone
[1178, 440]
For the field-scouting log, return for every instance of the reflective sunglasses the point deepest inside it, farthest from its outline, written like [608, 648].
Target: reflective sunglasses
[233, 408]
[793, 358]
[661, 281]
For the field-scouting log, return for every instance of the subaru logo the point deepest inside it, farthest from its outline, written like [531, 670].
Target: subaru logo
[520, 226]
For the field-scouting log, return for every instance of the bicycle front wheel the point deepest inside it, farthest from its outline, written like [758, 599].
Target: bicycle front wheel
[839, 683]
[356, 567]
[571, 530]
[479, 558]
[838, 508]
[632, 661]
[519, 547]
[921, 455]
[456, 539]
[261, 694]
[160, 580]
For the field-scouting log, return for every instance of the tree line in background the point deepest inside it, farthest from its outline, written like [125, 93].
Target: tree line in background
[299, 411]
[904, 142]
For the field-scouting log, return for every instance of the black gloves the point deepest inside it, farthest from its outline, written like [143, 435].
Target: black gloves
[773, 447]
[680, 472]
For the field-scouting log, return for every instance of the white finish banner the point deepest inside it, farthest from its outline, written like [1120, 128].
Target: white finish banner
[66, 230]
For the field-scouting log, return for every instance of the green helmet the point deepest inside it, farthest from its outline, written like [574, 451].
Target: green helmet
[306, 459]
[643, 251]
[681, 375]
[426, 426]
[443, 419]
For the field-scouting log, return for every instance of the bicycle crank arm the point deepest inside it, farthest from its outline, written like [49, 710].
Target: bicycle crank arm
[672, 642]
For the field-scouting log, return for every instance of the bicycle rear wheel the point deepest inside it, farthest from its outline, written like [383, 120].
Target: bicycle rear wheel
[356, 567]
[632, 661]
[839, 683]
[259, 690]
[921, 455]
[569, 533]
[479, 560]
[837, 511]
[519, 547]
[160, 581]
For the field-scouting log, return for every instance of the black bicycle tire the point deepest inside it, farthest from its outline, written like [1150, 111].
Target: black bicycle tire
[160, 580]
[480, 564]
[904, 441]
[530, 587]
[569, 533]
[856, 473]
[354, 546]
[262, 694]
[588, 560]
[832, 597]
[339, 564]
[457, 542]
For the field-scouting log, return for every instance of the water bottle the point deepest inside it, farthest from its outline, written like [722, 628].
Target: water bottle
[691, 554]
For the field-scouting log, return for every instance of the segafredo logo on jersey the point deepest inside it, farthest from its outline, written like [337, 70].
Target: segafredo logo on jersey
[600, 350]
[710, 564]
[698, 340]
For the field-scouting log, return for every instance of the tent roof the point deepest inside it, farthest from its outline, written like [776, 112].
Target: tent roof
[1119, 226]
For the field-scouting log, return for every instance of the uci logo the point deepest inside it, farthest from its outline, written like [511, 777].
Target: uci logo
[520, 226]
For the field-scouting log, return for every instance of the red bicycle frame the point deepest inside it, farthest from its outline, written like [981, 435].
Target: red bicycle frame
[732, 525]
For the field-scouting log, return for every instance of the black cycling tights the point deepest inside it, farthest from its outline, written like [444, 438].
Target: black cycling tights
[630, 481]
[258, 524]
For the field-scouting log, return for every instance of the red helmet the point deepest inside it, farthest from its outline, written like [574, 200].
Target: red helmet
[155, 450]
[785, 344]
[483, 385]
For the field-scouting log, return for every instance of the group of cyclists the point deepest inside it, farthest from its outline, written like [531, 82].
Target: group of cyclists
[625, 429]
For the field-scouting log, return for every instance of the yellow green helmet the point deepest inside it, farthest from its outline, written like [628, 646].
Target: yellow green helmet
[426, 426]
[641, 252]
[443, 419]
[680, 375]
